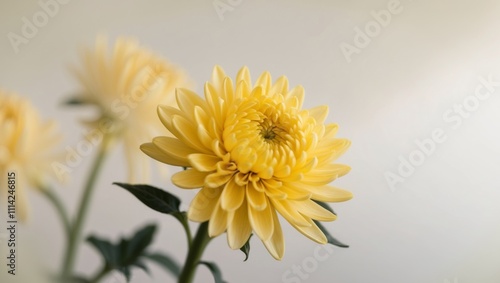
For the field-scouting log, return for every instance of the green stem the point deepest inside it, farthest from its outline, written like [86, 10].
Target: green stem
[76, 229]
[61, 210]
[199, 244]
[185, 224]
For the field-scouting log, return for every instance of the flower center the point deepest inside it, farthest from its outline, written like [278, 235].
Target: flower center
[267, 132]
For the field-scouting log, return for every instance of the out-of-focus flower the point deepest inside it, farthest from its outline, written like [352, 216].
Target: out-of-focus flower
[27, 147]
[126, 84]
[254, 152]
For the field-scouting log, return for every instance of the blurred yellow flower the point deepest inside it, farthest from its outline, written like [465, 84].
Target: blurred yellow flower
[254, 152]
[126, 85]
[26, 147]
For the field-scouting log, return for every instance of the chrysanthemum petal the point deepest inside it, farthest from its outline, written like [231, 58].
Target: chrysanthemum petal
[187, 132]
[203, 204]
[326, 174]
[218, 221]
[313, 210]
[276, 244]
[329, 194]
[188, 100]
[319, 113]
[218, 76]
[312, 232]
[189, 179]
[232, 196]
[256, 199]
[154, 152]
[174, 148]
[203, 162]
[289, 212]
[239, 230]
[260, 221]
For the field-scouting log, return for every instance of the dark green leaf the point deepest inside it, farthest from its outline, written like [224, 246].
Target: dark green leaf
[215, 271]
[329, 237]
[166, 262]
[139, 242]
[127, 252]
[142, 266]
[325, 206]
[126, 272]
[75, 101]
[155, 198]
[246, 248]
[106, 249]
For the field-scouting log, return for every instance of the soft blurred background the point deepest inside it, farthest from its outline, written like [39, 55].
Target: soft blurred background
[389, 89]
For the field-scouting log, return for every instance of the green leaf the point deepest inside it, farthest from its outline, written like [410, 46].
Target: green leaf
[108, 251]
[126, 253]
[166, 262]
[140, 241]
[246, 248]
[155, 198]
[75, 101]
[325, 206]
[215, 271]
[329, 237]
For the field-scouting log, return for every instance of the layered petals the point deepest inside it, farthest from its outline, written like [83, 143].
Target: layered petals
[255, 153]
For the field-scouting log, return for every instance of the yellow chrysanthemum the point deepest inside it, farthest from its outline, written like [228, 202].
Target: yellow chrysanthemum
[254, 152]
[126, 85]
[26, 147]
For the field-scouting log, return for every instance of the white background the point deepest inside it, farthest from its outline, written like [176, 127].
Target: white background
[440, 225]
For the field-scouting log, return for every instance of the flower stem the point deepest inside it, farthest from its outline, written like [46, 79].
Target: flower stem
[76, 228]
[196, 250]
[61, 210]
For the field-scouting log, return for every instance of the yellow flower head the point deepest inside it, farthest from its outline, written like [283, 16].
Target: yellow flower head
[254, 152]
[26, 147]
[126, 85]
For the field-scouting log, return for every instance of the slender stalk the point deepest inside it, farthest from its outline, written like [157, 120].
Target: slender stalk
[185, 224]
[196, 250]
[61, 210]
[76, 228]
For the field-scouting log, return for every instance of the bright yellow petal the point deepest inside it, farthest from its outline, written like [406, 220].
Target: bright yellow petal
[260, 221]
[312, 232]
[203, 162]
[189, 179]
[313, 210]
[239, 230]
[289, 212]
[232, 196]
[203, 204]
[218, 221]
[174, 148]
[154, 152]
[276, 244]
